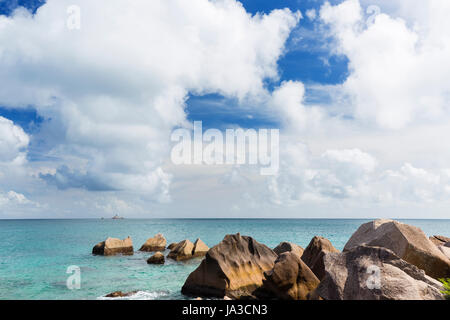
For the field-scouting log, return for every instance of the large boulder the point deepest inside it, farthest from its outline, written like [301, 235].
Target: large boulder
[374, 273]
[182, 251]
[290, 279]
[407, 242]
[439, 240]
[200, 249]
[157, 258]
[314, 254]
[113, 246]
[157, 243]
[234, 268]
[288, 247]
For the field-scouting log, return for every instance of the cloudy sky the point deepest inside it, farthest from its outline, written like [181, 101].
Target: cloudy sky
[360, 90]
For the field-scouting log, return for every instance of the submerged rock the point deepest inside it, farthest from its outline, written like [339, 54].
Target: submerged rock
[290, 279]
[113, 246]
[314, 254]
[120, 294]
[157, 258]
[407, 242]
[288, 247]
[182, 251]
[157, 243]
[374, 273]
[234, 268]
[200, 249]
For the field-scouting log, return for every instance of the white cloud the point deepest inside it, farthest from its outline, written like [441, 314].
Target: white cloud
[311, 14]
[393, 78]
[12, 202]
[113, 90]
[314, 171]
[13, 142]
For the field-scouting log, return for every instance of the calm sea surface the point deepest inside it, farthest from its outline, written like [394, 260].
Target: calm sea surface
[35, 254]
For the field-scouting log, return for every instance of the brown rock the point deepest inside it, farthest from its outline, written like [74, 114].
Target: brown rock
[314, 254]
[200, 248]
[374, 273]
[290, 279]
[120, 294]
[288, 247]
[234, 268]
[445, 250]
[407, 242]
[182, 251]
[172, 245]
[157, 243]
[113, 246]
[439, 240]
[157, 258]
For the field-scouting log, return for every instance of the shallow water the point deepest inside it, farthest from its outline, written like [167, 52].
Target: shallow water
[35, 254]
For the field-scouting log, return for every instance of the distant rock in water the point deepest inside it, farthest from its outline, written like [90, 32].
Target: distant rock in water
[113, 246]
[408, 242]
[200, 249]
[182, 251]
[290, 279]
[120, 294]
[185, 250]
[234, 268]
[439, 240]
[172, 245]
[374, 273]
[314, 254]
[288, 247]
[157, 243]
[157, 258]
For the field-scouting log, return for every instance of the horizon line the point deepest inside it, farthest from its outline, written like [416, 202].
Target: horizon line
[222, 218]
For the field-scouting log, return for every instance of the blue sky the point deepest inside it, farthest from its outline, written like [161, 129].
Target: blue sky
[91, 94]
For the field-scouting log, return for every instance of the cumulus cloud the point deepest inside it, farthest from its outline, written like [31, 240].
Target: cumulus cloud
[12, 202]
[13, 142]
[112, 91]
[312, 172]
[393, 64]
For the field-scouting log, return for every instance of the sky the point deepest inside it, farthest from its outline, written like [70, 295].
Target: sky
[358, 89]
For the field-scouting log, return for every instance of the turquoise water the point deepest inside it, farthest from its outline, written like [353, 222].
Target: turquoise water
[35, 254]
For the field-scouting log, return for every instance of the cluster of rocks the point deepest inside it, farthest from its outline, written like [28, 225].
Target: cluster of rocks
[180, 251]
[384, 259]
[185, 250]
[113, 246]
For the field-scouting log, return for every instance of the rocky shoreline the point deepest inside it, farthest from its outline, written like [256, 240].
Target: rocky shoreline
[383, 259]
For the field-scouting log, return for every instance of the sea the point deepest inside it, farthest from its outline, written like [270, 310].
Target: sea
[39, 258]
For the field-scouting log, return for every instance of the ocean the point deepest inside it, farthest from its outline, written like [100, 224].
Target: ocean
[35, 254]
